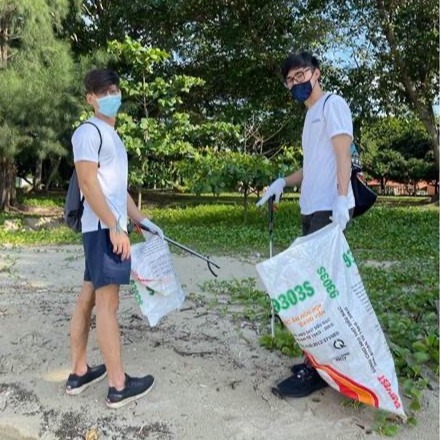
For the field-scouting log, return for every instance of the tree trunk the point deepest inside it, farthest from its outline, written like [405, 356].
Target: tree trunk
[435, 196]
[4, 48]
[382, 185]
[139, 198]
[52, 173]
[38, 175]
[246, 201]
[428, 120]
[7, 183]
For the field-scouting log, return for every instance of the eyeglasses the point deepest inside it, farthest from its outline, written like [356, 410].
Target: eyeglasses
[297, 78]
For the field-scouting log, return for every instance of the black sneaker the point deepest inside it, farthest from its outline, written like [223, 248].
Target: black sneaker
[135, 388]
[295, 369]
[303, 382]
[77, 384]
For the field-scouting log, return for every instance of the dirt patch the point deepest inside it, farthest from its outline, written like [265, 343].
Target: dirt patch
[379, 264]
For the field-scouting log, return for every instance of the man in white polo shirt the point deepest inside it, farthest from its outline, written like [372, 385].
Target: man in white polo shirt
[326, 193]
[101, 164]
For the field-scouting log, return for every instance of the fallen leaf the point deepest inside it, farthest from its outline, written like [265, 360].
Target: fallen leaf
[92, 435]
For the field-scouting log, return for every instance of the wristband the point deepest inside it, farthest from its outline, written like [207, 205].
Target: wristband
[117, 228]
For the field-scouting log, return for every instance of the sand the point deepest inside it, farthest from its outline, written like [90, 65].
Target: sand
[213, 378]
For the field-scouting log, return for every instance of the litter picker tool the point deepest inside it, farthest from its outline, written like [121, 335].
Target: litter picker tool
[270, 204]
[187, 249]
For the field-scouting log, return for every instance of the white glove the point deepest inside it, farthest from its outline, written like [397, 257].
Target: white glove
[153, 228]
[341, 214]
[276, 188]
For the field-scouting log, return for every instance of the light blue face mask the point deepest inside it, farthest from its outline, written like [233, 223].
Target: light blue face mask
[109, 105]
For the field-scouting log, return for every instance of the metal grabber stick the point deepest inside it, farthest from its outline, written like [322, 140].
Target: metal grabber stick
[270, 204]
[187, 249]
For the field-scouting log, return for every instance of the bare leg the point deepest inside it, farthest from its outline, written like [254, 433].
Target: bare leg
[108, 334]
[79, 328]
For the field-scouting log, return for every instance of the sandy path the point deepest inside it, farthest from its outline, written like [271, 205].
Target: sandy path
[213, 379]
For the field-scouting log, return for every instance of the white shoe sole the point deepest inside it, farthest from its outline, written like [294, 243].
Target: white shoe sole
[79, 390]
[121, 403]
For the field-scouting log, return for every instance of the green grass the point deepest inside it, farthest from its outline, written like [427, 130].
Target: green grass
[54, 200]
[384, 233]
[13, 231]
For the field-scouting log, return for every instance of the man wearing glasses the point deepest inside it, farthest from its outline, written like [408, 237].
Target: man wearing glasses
[101, 164]
[326, 193]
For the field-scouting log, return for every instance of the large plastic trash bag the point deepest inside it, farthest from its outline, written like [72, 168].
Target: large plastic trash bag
[317, 291]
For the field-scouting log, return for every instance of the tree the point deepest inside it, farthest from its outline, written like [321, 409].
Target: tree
[387, 165]
[388, 56]
[153, 126]
[226, 43]
[410, 26]
[398, 149]
[36, 75]
[219, 171]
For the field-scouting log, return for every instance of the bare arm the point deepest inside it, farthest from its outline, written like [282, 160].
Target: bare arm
[136, 215]
[89, 184]
[133, 211]
[91, 189]
[295, 178]
[341, 145]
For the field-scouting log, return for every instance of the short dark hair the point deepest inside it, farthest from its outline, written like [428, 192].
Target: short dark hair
[100, 80]
[296, 60]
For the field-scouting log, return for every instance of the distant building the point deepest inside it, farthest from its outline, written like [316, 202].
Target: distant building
[392, 188]
[424, 188]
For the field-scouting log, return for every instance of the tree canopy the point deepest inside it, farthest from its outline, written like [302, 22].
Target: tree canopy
[36, 96]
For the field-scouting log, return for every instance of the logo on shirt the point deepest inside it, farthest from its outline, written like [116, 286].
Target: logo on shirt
[315, 121]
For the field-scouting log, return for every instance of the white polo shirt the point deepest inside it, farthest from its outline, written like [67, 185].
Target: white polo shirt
[319, 185]
[112, 171]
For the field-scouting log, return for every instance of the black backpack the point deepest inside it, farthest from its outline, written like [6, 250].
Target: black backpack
[74, 204]
[364, 197]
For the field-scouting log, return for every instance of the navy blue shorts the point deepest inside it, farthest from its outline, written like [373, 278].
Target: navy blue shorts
[317, 220]
[103, 266]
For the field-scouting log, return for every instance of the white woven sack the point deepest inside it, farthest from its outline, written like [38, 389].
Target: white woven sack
[317, 291]
[153, 280]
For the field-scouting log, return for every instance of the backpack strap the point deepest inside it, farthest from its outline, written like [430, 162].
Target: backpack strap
[323, 105]
[100, 136]
[355, 164]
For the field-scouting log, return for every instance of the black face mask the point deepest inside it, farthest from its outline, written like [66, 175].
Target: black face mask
[301, 92]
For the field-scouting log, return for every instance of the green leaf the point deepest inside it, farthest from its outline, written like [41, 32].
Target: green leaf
[421, 356]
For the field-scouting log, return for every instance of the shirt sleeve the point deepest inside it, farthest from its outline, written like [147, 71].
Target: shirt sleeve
[85, 143]
[338, 117]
